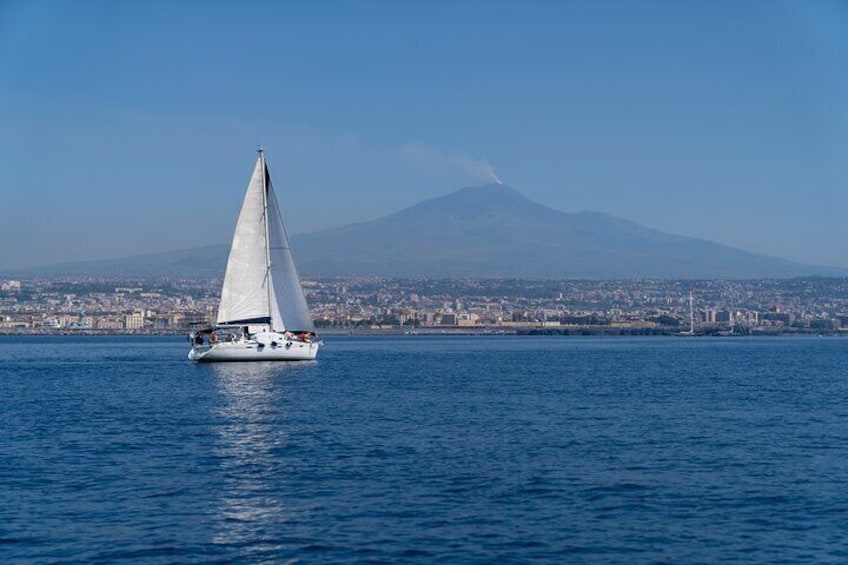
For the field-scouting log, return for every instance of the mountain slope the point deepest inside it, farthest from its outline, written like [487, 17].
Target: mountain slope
[493, 231]
[208, 261]
[483, 231]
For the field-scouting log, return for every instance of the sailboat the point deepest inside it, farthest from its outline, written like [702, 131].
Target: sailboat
[691, 332]
[262, 315]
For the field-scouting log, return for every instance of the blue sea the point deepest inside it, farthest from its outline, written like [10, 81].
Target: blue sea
[417, 449]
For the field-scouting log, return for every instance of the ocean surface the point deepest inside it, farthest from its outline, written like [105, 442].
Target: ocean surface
[426, 449]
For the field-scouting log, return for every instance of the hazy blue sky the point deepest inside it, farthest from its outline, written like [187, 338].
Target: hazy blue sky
[129, 127]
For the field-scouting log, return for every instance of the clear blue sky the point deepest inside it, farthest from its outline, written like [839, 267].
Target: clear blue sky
[128, 127]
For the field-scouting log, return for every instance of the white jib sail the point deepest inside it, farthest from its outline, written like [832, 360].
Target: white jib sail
[292, 311]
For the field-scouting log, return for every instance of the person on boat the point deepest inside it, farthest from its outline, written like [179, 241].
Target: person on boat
[213, 338]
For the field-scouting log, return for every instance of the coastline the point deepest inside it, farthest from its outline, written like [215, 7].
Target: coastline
[563, 331]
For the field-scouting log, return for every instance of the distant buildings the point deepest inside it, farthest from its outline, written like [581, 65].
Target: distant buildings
[630, 306]
[134, 321]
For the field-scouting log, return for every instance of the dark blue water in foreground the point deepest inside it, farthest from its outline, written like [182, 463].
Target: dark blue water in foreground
[420, 449]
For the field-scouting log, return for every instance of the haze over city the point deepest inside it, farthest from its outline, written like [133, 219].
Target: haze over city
[130, 127]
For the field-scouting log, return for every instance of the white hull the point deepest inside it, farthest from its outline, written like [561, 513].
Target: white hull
[254, 351]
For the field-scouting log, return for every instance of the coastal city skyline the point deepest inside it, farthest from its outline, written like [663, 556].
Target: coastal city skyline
[128, 127]
[816, 305]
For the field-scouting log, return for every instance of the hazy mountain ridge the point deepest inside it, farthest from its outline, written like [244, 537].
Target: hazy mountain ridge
[207, 261]
[483, 231]
[493, 231]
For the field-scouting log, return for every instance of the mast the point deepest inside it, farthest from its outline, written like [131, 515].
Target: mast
[268, 288]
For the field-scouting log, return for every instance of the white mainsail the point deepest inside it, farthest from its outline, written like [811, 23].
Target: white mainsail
[261, 284]
[244, 295]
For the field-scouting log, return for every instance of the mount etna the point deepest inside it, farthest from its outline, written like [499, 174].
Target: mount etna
[481, 231]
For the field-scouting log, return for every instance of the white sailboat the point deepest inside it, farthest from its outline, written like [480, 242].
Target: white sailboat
[691, 332]
[262, 315]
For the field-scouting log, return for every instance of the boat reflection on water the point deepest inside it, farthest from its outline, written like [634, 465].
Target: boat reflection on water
[251, 419]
